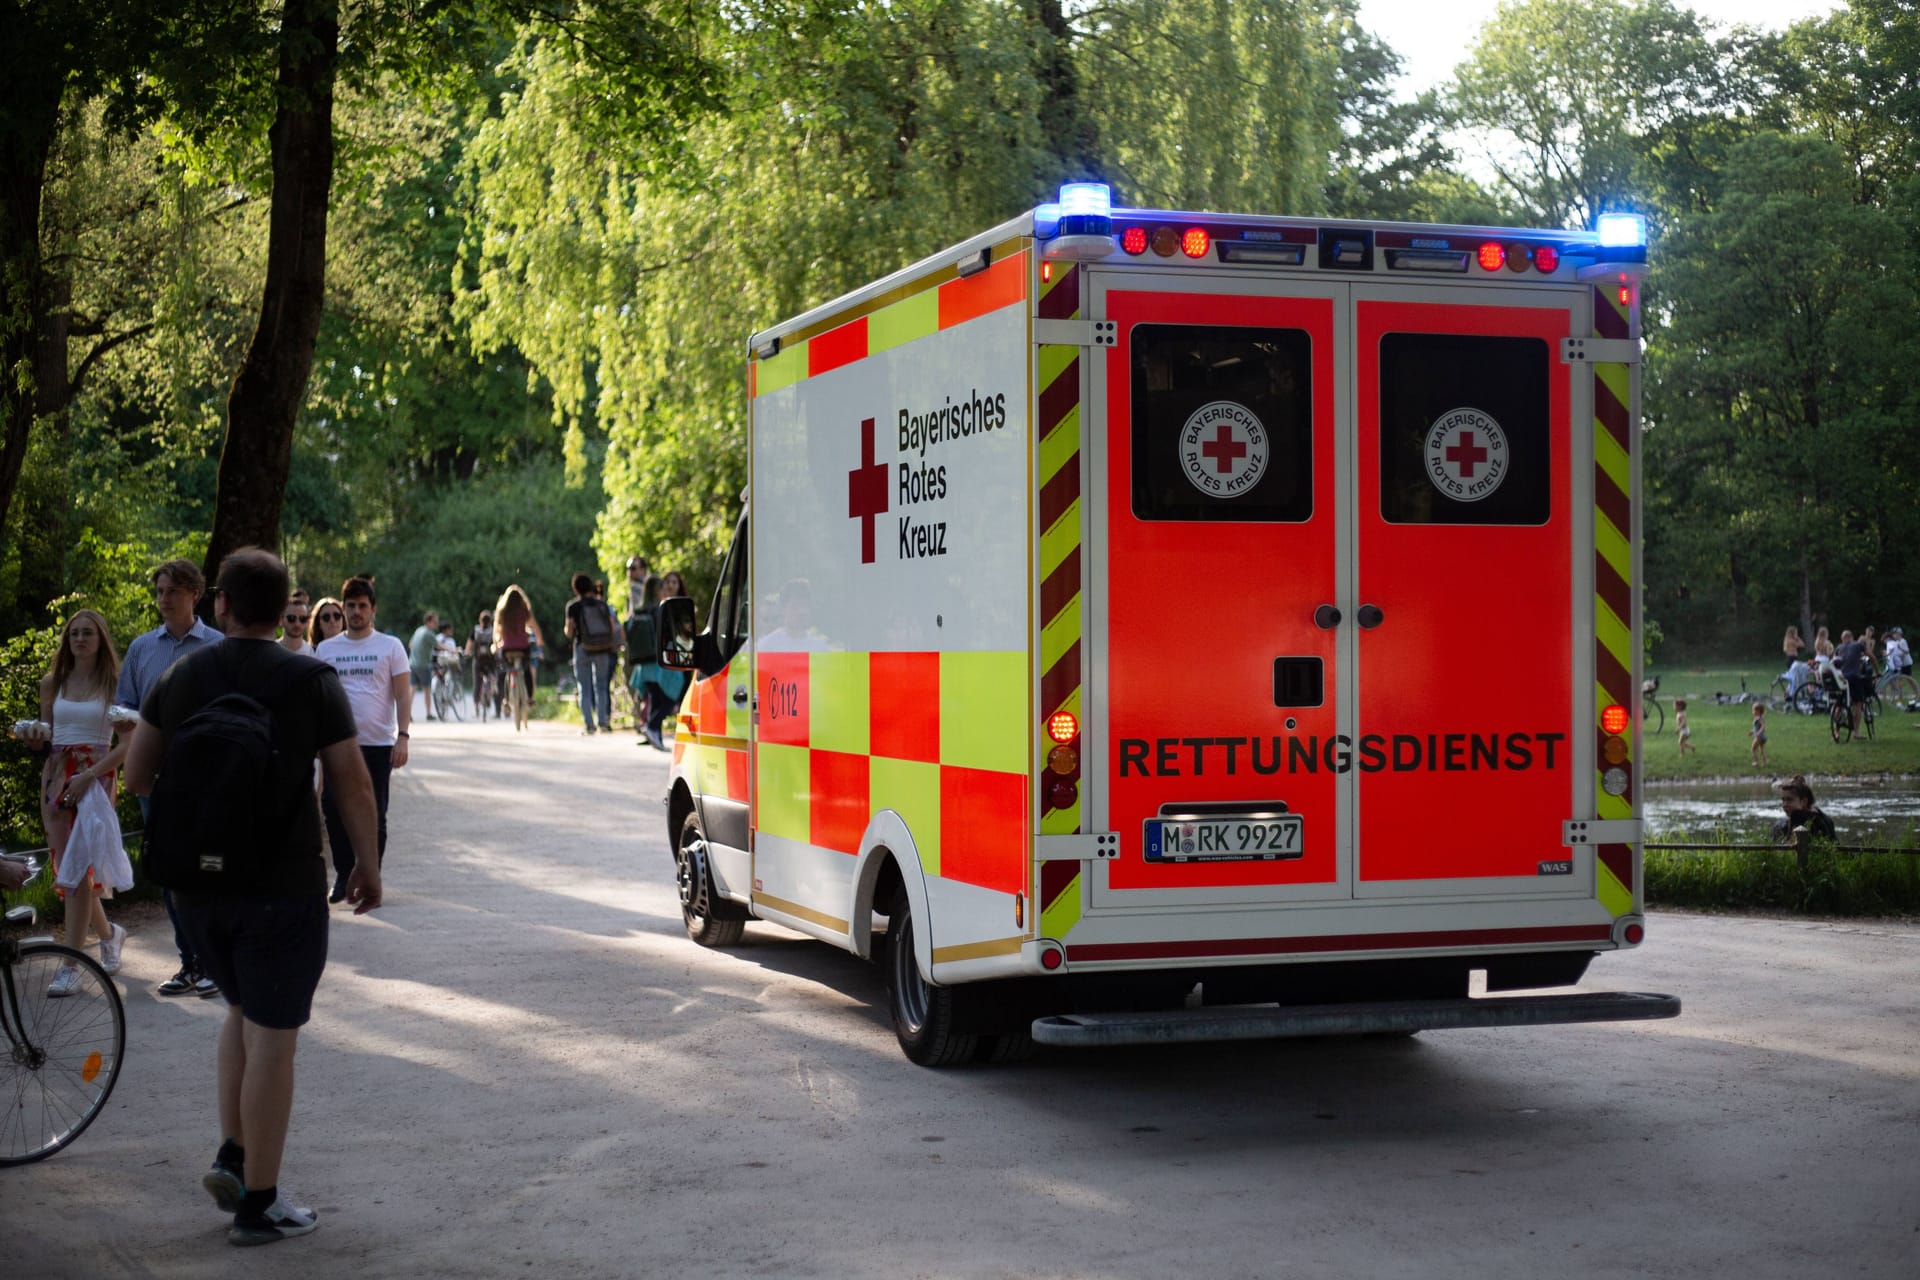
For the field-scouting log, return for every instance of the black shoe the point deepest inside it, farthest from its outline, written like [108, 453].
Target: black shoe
[180, 983]
[339, 893]
[223, 1184]
[279, 1222]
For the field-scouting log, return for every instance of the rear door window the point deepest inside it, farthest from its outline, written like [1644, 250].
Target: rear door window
[1222, 423]
[1464, 430]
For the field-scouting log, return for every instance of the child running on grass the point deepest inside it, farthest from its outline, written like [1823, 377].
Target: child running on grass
[1680, 729]
[1759, 734]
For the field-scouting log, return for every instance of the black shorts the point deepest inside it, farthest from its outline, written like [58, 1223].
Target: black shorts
[265, 954]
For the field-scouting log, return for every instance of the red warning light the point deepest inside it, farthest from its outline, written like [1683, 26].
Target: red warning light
[1062, 727]
[1613, 718]
[1626, 295]
[1492, 256]
[1546, 257]
[1194, 243]
[1134, 241]
[1046, 272]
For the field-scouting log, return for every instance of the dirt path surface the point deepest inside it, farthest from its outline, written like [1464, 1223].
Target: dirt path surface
[520, 1066]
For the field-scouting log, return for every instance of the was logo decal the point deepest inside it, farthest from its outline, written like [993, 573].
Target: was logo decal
[1466, 455]
[1223, 449]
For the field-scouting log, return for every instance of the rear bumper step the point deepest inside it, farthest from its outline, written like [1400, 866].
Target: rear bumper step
[1271, 1022]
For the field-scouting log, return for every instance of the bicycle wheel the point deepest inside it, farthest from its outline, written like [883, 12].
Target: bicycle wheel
[1900, 691]
[65, 1051]
[1869, 712]
[1807, 701]
[1779, 694]
[454, 696]
[1840, 722]
[1652, 718]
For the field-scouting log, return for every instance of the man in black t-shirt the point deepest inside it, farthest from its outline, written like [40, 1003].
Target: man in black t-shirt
[265, 942]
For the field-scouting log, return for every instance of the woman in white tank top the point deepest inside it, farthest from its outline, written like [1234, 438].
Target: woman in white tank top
[75, 696]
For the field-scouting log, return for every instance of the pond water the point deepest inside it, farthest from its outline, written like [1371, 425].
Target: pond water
[1868, 812]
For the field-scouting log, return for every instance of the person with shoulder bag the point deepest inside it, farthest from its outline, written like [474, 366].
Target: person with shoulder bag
[225, 748]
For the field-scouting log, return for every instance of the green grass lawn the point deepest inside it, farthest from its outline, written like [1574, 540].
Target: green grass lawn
[1795, 743]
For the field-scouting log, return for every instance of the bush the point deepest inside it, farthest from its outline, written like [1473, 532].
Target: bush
[1833, 883]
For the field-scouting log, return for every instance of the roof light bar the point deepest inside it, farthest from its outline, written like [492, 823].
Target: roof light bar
[1622, 230]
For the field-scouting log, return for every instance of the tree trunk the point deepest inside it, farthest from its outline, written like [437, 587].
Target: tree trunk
[30, 104]
[1063, 116]
[271, 386]
[45, 504]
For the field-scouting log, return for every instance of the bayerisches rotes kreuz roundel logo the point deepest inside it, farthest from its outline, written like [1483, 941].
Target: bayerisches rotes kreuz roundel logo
[1466, 454]
[1223, 449]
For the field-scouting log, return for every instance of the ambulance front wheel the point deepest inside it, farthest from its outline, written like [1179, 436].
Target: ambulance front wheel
[927, 1019]
[710, 921]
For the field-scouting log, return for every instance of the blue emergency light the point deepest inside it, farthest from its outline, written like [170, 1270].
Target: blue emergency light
[1623, 230]
[1086, 209]
[1046, 221]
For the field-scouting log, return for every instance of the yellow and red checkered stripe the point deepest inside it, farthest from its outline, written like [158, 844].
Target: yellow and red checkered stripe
[935, 305]
[1058, 474]
[710, 741]
[939, 738]
[1614, 587]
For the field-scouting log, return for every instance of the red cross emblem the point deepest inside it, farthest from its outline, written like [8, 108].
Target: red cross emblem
[867, 491]
[1467, 454]
[1224, 449]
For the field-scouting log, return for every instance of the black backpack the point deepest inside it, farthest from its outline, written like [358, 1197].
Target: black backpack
[220, 806]
[596, 627]
[643, 643]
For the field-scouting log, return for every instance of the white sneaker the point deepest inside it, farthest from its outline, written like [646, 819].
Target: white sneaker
[281, 1221]
[65, 982]
[110, 949]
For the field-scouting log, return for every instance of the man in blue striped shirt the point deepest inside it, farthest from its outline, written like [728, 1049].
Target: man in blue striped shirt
[177, 587]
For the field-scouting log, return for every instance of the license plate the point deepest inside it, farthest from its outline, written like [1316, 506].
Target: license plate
[1225, 839]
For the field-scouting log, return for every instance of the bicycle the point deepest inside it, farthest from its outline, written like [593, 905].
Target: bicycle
[1899, 689]
[1840, 712]
[514, 662]
[485, 692]
[64, 1050]
[446, 690]
[1806, 700]
[1652, 718]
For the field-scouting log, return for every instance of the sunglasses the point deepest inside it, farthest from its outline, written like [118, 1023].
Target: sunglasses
[293, 617]
[330, 616]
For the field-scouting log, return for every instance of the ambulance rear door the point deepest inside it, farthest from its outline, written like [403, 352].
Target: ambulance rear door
[1217, 557]
[1467, 516]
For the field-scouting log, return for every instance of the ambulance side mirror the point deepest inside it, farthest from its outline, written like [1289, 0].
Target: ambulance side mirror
[682, 646]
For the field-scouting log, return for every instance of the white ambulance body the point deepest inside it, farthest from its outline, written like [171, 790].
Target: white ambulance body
[1186, 626]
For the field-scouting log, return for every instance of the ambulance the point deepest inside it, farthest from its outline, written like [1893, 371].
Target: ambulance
[1157, 626]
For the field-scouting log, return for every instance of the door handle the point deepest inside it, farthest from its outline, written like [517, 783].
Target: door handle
[740, 696]
[1326, 617]
[1369, 616]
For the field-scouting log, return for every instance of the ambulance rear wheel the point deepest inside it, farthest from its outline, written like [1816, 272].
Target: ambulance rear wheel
[926, 1019]
[708, 920]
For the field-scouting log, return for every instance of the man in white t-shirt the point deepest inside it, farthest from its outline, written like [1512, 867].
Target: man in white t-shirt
[373, 670]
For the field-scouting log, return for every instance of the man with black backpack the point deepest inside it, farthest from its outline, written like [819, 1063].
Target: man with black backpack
[226, 745]
[595, 639]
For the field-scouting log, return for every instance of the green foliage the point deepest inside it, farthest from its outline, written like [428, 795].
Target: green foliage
[1832, 883]
[1781, 466]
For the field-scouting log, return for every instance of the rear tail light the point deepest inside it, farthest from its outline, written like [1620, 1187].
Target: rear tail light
[1134, 241]
[1492, 256]
[1546, 257]
[1613, 718]
[1194, 243]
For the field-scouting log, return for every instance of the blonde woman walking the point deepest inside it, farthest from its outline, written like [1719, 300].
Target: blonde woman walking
[85, 750]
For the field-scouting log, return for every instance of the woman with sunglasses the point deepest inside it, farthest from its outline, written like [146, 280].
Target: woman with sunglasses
[329, 620]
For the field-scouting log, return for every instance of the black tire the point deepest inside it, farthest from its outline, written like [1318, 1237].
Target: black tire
[1869, 712]
[1652, 718]
[1840, 722]
[66, 1052]
[1807, 701]
[927, 1020]
[1005, 1048]
[1779, 694]
[709, 920]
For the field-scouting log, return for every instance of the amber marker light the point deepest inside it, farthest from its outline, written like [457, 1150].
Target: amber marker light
[1063, 761]
[1062, 727]
[1613, 718]
[1165, 241]
[1614, 750]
